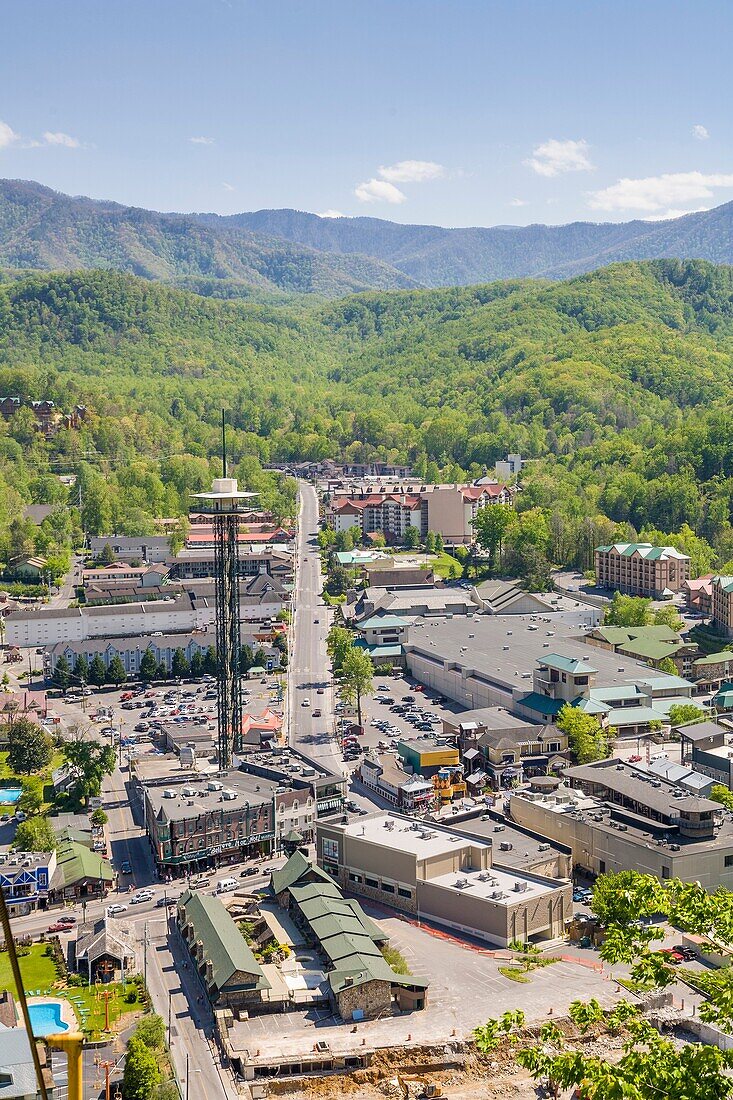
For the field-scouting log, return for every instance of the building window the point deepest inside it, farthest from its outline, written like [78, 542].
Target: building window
[330, 849]
[403, 893]
[371, 882]
[665, 872]
[729, 861]
[387, 888]
[354, 878]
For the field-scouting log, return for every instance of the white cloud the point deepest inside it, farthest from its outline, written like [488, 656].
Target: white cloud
[331, 214]
[7, 135]
[379, 191]
[655, 194]
[700, 132]
[553, 157]
[669, 215]
[201, 140]
[228, 187]
[59, 138]
[518, 202]
[412, 171]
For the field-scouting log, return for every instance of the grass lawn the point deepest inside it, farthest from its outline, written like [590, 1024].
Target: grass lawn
[45, 776]
[442, 564]
[93, 1002]
[37, 970]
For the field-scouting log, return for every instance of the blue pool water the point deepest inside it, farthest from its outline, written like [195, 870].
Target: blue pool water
[46, 1019]
[10, 794]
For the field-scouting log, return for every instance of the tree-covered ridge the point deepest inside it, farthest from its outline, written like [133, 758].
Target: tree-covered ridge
[41, 228]
[616, 384]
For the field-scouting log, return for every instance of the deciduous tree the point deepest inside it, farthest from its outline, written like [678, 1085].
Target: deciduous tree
[29, 747]
[357, 675]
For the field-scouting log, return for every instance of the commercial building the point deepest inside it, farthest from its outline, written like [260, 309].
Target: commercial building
[615, 816]
[361, 983]
[708, 747]
[387, 778]
[224, 961]
[507, 598]
[699, 594]
[105, 950]
[651, 644]
[713, 669]
[640, 569]
[142, 576]
[25, 879]
[147, 548]
[261, 597]
[532, 665]
[435, 759]
[411, 601]
[197, 564]
[204, 823]
[18, 1073]
[498, 748]
[442, 876]
[506, 469]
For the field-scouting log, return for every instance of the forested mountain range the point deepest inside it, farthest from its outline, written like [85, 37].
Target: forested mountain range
[252, 254]
[41, 228]
[618, 385]
[434, 256]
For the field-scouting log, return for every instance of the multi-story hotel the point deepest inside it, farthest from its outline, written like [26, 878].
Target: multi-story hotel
[640, 569]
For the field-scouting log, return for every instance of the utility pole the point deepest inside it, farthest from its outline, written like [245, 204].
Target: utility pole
[170, 1003]
[145, 956]
[186, 1075]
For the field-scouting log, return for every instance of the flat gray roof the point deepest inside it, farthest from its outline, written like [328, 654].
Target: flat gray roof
[506, 650]
[249, 789]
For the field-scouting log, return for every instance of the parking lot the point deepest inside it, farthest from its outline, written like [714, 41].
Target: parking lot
[392, 691]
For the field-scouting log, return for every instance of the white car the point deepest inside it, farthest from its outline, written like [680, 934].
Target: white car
[144, 895]
[306, 703]
[113, 910]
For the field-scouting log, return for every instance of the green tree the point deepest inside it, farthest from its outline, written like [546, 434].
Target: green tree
[430, 542]
[722, 794]
[31, 798]
[587, 738]
[246, 658]
[338, 644]
[116, 671]
[211, 664]
[99, 817]
[438, 543]
[108, 556]
[29, 747]
[412, 537]
[260, 658]
[62, 673]
[197, 665]
[81, 670]
[378, 540]
[142, 1074]
[179, 665]
[148, 665]
[490, 527]
[668, 616]
[150, 1030]
[627, 611]
[338, 581]
[667, 665]
[357, 675]
[90, 761]
[97, 671]
[35, 835]
[681, 713]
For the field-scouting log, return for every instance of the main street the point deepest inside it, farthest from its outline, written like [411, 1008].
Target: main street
[308, 669]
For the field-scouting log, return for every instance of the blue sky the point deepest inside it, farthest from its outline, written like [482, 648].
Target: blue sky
[454, 112]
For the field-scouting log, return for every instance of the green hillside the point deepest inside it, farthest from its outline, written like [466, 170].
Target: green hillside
[616, 384]
[41, 228]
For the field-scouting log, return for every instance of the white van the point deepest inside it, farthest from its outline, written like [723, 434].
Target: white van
[225, 884]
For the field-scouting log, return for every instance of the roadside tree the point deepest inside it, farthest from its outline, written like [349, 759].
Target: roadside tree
[90, 761]
[180, 666]
[357, 675]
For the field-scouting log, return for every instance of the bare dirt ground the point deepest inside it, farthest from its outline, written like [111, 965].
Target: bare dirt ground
[458, 1068]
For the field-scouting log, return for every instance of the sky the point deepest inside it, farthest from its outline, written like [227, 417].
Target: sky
[449, 112]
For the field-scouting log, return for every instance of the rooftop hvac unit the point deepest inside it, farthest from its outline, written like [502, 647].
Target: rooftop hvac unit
[506, 846]
[623, 828]
[497, 895]
[520, 887]
[544, 847]
[229, 796]
[189, 792]
[484, 877]
[675, 847]
[169, 793]
[213, 785]
[499, 828]
[462, 883]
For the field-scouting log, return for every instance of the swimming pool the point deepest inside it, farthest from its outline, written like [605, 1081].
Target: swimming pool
[10, 794]
[46, 1018]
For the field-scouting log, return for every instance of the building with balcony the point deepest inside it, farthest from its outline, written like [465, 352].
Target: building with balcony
[640, 569]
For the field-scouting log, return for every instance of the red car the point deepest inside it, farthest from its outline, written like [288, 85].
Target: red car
[634, 759]
[59, 928]
[672, 955]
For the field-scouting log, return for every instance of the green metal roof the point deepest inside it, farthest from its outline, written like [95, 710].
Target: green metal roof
[340, 947]
[634, 716]
[566, 664]
[224, 946]
[314, 891]
[296, 867]
[540, 703]
[77, 862]
[649, 649]
[715, 658]
[590, 706]
[724, 699]
[389, 621]
[621, 691]
[369, 969]
[726, 583]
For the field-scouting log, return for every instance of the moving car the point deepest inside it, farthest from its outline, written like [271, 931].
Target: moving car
[58, 927]
[143, 895]
[306, 703]
[113, 910]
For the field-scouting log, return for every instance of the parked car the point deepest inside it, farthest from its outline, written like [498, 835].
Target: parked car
[306, 703]
[67, 920]
[126, 868]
